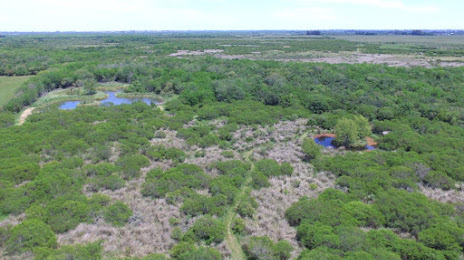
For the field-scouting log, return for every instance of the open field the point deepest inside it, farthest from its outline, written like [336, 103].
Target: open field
[398, 39]
[8, 87]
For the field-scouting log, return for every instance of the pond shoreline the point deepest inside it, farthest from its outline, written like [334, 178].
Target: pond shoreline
[371, 143]
[112, 97]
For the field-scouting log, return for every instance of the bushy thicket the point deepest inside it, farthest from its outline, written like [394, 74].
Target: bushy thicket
[371, 91]
[207, 229]
[188, 250]
[267, 168]
[46, 163]
[330, 225]
[261, 248]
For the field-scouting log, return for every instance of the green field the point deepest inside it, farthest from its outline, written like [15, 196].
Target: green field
[8, 87]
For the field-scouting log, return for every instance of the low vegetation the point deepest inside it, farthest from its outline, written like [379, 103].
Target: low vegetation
[228, 167]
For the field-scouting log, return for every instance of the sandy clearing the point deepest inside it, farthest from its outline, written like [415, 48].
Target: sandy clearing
[371, 141]
[325, 135]
[25, 114]
[390, 60]
[187, 52]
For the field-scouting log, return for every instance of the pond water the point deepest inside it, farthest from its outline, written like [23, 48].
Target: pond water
[69, 105]
[111, 99]
[327, 143]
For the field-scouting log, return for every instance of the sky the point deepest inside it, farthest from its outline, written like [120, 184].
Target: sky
[117, 15]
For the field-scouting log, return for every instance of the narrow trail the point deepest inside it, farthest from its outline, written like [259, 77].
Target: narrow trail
[25, 114]
[231, 239]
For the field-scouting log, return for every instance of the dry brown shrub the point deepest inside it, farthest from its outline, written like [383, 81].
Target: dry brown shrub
[170, 141]
[12, 220]
[285, 131]
[23, 256]
[273, 201]
[148, 230]
[445, 196]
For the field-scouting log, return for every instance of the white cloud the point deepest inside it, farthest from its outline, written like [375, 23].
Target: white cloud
[391, 4]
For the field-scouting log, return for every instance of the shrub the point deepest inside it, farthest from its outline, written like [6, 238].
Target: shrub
[315, 235]
[228, 154]
[5, 234]
[283, 250]
[311, 149]
[206, 253]
[268, 167]
[160, 134]
[131, 164]
[410, 212]
[440, 180]
[29, 235]
[286, 169]
[158, 183]
[351, 131]
[322, 252]
[262, 248]
[238, 226]
[64, 214]
[177, 234]
[155, 257]
[229, 167]
[38, 212]
[347, 133]
[101, 169]
[161, 153]
[97, 202]
[182, 248]
[89, 251]
[365, 214]
[117, 214]
[187, 251]
[105, 183]
[259, 180]
[207, 229]
[247, 207]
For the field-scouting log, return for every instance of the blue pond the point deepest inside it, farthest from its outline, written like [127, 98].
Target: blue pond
[111, 99]
[327, 143]
[69, 105]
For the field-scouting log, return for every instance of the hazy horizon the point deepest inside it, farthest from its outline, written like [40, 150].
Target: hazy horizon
[227, 15]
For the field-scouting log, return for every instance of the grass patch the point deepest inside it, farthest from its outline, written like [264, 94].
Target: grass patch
[159, 98]
[3, 217]
[70, 94]
[8, 87]
[111, 86]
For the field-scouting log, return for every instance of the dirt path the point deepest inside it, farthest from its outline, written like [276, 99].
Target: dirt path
[25, 114]
[231, 239]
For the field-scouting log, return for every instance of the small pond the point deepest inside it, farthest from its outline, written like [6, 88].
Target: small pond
[69, 105]
[327, 143]
[111, 99]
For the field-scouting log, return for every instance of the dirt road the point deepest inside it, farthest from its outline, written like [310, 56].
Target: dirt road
[25, 114]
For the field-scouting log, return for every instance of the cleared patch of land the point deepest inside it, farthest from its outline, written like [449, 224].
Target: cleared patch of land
[25, 114]
[8, 87]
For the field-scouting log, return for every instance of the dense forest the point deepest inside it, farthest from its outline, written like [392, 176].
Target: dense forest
[227, 166]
